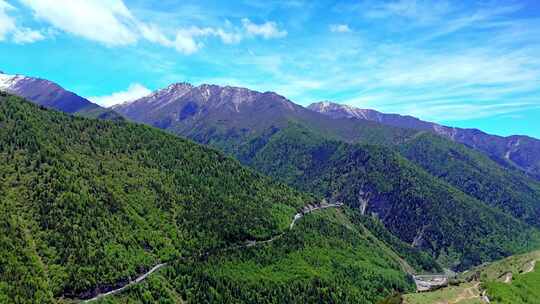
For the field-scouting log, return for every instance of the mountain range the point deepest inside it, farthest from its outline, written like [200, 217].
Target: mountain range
[419, 195]
[518, 151]
[333, 156]
[88, 204]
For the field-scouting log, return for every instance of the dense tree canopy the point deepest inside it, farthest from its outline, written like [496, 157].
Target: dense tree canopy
[88, 203]
[456, 228]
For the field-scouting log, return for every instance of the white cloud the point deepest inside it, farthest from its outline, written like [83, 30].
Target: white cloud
[185, 40]
[133, 92]
[111, 22]
[106, 21]
[340, 28]
[7, 24]
[228, 37]
[25, 35]
[153, 33]
[267, 30]
[9, 28]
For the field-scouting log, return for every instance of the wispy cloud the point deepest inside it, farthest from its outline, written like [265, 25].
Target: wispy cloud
[266, 30]
[443, 85]
[112, 23]
[340, 28]
[9, 28]
[26, 35]
[7, 24]
[421, 11]
[133, 92]
[185, 40]
[109, 22]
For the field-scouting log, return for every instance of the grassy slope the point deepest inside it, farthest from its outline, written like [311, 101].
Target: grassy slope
[91, 202]
[522, 289]
[466, 293]
[325, 258]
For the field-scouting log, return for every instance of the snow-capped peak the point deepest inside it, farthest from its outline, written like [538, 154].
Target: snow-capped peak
[8, 81]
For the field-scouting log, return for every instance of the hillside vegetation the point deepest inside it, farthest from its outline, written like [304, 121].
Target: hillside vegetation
[511, 280]
[439, 196]
[523, 289]
[477, 175]
[457, 229]
[89, 204]
[326, 258]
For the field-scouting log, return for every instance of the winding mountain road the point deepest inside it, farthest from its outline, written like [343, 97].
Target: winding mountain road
[137, 280]
[306, 210]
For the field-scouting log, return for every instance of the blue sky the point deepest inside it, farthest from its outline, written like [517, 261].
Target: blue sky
[461, 63]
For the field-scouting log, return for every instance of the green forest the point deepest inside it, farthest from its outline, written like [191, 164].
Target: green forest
[455, 227]
[88, 204]
[91, 204]
[476, 175]
[325, 259]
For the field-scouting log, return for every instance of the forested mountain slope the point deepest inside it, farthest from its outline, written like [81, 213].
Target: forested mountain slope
[477, 175]
[326, 258]
[239, 121]
[445, 190]
[89, 203]
[458, 229]
[515, 151]
[86, 203]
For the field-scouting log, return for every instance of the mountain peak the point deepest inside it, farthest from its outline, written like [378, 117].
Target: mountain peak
[51, 95]
[179, 85]
[172, 89]
[337, 110]
[157, 98]
[8, 82]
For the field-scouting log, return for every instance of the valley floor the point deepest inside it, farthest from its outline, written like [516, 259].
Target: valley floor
[514, 280]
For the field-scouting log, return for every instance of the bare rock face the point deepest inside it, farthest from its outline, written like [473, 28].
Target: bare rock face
[522, 152]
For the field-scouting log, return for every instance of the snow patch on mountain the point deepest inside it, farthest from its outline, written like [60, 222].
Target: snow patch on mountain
[8, 82]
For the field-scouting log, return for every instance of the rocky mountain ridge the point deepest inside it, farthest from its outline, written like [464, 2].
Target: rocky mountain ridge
[515, 151]
[51, 95]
